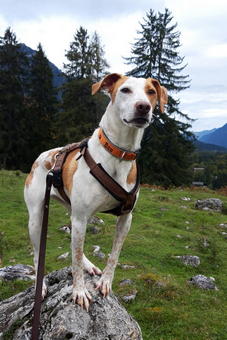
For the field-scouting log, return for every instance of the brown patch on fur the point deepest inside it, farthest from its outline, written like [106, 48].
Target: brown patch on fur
[68, 170]
[115, 87]
[153, 97]
[47, 165]
[29, 178]
[131, 179]
[161, 93]
[110, 83]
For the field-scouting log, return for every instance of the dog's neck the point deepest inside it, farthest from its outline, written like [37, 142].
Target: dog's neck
[120, 134]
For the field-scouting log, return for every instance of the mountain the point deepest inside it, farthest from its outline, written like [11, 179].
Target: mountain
[200, 146]
[58, 77]
[217, 137]
[200, 134]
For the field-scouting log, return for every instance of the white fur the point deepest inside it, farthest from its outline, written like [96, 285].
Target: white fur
[87, 195]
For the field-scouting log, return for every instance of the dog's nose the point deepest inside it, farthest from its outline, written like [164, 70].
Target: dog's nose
[142, 108]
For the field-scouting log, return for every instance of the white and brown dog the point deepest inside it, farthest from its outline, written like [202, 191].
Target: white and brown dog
[127, 115]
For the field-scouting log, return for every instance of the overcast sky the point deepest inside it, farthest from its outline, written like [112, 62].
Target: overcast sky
[202, 24]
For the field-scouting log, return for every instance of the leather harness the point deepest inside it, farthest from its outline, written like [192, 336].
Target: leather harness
[54, 177]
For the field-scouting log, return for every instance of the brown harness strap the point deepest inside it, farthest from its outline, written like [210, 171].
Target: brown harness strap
[57, 169]
[126, 198]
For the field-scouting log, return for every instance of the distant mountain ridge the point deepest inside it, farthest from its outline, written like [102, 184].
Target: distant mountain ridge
[214, 136]
[200, 134]
[58, 77]
[201, 146]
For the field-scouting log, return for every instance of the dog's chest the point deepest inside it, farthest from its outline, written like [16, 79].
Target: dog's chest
[95, 196]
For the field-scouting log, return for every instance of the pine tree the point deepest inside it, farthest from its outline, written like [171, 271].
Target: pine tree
[86, 57]
[80, 112]
[98, 62]
[79, 56]
[42, 104]
[155, 54]
[13, 65]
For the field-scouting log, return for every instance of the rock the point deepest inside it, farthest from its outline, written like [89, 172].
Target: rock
[93, 229]
[62, 319]
[66, 228]
[126, 266]
[223, 233]
[126, 282]
[130, 297]
[189, 260]
[214, 204]
[185, 198]
[17, 272]
[63, 256]
[203, 282]
[179, 236]
[98, 253]
[205, 243]
[164, 209]
[95, 220]
[223, 225]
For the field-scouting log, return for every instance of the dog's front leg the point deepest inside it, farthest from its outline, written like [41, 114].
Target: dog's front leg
[122, 228]
[80, 294]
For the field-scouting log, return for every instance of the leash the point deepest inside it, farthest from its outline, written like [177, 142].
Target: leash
[41, 264]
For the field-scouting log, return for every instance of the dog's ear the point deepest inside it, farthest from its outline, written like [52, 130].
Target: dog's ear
[107, 83]
[162, 94]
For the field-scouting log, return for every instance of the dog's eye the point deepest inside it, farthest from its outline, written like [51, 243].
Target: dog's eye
[126, 90]
[151, 91]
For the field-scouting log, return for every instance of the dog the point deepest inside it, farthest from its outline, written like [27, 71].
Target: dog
[129, 112]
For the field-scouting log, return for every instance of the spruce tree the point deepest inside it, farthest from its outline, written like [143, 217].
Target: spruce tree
[79, 56]
[13, 70]
[86, 57]
[155, 54]
[98, 62]
[80, 112]
[42, 104]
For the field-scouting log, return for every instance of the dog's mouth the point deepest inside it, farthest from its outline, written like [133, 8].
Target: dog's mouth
[139, 121]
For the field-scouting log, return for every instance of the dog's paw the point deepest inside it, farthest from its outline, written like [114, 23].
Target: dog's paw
[104, 285]
[90, 267]
[82, 297]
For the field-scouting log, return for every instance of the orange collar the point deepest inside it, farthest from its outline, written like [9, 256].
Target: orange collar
[115, 150]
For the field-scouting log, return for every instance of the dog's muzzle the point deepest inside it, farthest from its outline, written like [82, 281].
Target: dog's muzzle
[141, 114]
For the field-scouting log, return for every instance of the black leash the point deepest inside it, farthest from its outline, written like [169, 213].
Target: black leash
[41, 264]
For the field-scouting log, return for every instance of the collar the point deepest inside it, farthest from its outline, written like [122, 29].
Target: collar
[115, 150]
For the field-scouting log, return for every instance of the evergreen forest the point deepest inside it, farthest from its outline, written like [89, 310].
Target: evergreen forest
[35, 115]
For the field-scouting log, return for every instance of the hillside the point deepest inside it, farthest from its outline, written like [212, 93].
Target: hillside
[165, 225]
[201, 146]
[217, 137]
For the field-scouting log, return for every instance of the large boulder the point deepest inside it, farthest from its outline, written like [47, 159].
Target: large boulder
[62, 319]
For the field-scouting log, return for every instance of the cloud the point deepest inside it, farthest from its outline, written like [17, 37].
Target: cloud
[217, 51]
[201, 23]
[87, 9]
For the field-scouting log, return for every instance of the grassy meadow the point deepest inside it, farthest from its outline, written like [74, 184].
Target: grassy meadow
[164, 226]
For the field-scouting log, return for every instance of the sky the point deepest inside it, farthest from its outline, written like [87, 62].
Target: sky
[202, 24]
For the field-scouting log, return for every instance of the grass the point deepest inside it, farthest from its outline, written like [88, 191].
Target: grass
[164, 226]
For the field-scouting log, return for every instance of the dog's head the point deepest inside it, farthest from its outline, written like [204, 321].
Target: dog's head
[134, 98]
